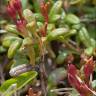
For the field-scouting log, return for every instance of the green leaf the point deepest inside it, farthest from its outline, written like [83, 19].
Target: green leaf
[39, 17]
[21, 81]
[72, 19]
[12, 29]
[89, 51]
[28, 15]
[19, 59]
[7, 39]
[57, 32]
[56, 8]
[84, 37]
[61, 57]
[50, 27]
[13, 48]
[54, 18]
[2, 49]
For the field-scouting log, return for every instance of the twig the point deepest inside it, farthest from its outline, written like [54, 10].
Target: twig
[42, 77]
[62, 89]
[1, 74]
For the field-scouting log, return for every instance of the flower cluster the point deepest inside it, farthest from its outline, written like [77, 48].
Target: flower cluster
[82, 86]
[14, 9]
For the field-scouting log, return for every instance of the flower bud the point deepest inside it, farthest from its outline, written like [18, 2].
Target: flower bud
[12, 12]
[17, 4]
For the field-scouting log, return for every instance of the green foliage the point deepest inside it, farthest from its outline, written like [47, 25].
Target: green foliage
[20, 82]
[57, 32]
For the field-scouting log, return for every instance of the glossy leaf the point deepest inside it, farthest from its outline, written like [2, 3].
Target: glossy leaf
[84, 37]
[61, 57]
[13, 48]
[21, 81]
[8, 39]
[57, 32]
[12, 29]
[72, 19]
[56, 8]
[54, 18]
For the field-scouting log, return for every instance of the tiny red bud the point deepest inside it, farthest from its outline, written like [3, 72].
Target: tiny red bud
[44, 11]
[21, 26]
[44, 29]
[11, 11]
[17, 5]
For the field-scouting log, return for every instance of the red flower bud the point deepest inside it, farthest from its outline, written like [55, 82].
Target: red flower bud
[44, 29]
[21, 26]
[44, 11]
[11, 11]
[14, 7]
[17, 4]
